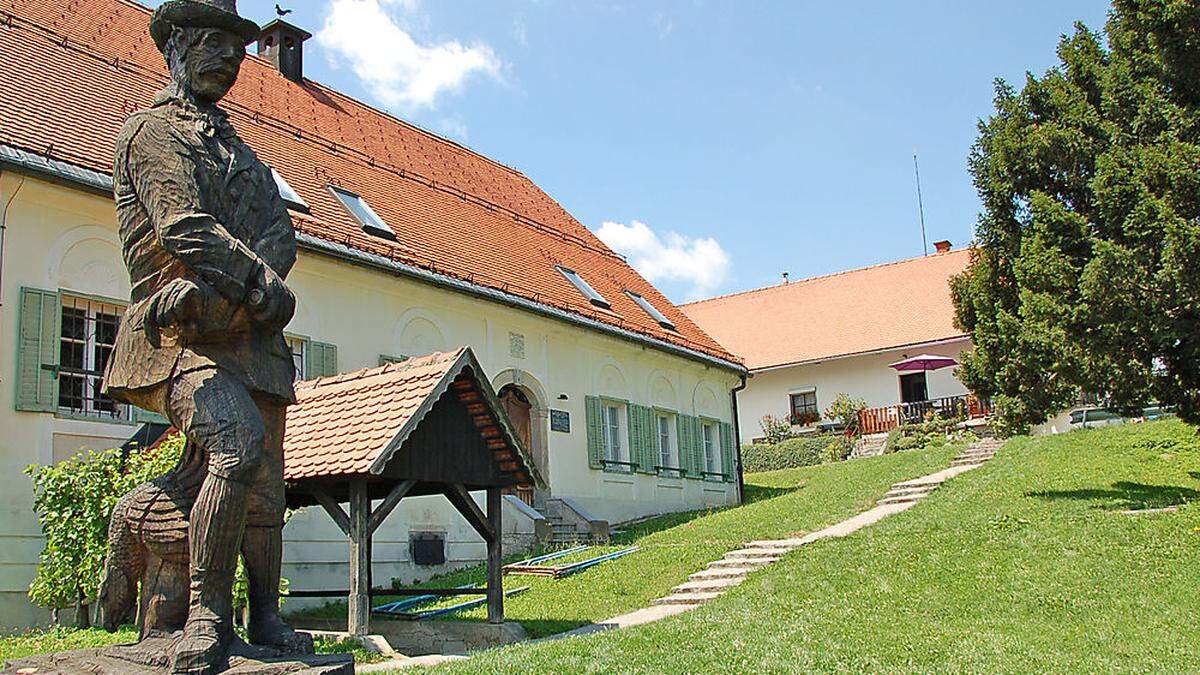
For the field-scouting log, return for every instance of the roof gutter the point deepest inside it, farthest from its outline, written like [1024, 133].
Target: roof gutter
[869, 352]
[102, 183]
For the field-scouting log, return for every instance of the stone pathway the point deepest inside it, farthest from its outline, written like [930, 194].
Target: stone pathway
[732, 570]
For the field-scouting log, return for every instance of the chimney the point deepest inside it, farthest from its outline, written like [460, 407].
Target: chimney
[785, 277]
[942, 246]
[282, 43]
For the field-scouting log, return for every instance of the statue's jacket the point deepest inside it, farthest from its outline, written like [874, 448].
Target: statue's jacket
[195, 203]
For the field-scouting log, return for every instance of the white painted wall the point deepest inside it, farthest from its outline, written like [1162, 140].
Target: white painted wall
[62, 238]
[867, 377]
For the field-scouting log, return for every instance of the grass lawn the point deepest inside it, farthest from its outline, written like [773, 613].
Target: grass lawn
[780, 503]
[1024, 565]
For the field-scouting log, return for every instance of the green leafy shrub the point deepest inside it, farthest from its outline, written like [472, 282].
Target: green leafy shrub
[775, 429]
[73, 500]
[934, 432]
[845, 409]
[794, 452]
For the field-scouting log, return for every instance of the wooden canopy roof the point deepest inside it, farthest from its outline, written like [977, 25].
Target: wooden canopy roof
[432, 419]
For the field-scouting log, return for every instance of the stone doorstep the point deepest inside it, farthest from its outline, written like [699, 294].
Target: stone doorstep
[687, 598]
[714, 585]
[741, 562]
[722, 573]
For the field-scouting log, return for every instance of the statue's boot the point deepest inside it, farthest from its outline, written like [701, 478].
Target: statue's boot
[262, 548]
[214, 538]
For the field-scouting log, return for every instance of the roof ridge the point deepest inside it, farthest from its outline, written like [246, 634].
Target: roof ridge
[822, 277]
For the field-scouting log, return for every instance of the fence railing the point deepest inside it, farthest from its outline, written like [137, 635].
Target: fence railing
[886, 418]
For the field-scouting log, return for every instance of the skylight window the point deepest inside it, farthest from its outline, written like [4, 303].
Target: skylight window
[583, 286]
[289, 195]
[651, 310]
[363, 213]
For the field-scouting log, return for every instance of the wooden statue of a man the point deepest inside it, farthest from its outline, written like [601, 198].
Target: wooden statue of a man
[208, 242]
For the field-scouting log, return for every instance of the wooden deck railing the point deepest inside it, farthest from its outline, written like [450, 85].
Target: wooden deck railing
[879, 420]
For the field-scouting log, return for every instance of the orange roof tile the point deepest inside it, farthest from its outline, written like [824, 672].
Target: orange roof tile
[350, 424]
[70, 72]
[864, 310]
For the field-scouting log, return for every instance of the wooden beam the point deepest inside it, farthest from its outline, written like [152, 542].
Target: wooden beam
[390, 502]
[333, 509]
[495, 570]
[359, 600]
[461, 499]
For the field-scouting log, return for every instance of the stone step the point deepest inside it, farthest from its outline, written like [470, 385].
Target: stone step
[903, 499]
[967, 462]
[754, 553]
[722, 573]
[788, 544]
[922, 490]
[919, 482]
[708, 585]
[741, 562]
[686, 598]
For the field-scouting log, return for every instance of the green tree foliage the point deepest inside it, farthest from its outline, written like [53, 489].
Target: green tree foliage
[73, 500]
[1088, 275]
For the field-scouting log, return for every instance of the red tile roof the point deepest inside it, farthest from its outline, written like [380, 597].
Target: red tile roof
[70, 72]
[864, 310]
[350, 424]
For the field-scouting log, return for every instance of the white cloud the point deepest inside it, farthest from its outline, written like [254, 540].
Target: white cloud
[399, 70]
[700, 262]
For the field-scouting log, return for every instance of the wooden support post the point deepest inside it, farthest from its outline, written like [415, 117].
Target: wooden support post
[359, 600]
[495, 572]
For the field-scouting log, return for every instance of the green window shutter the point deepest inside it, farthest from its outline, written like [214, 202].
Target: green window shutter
[322, 360]
[697, 448]
[685, 432]
[593, 409]
[37, 350]
[727, 454]
[649, 440]
[641, 440]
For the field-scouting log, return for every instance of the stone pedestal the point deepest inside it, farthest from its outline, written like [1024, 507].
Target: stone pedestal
[152, 656]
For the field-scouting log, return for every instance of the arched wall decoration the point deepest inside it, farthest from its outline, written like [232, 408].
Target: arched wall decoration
[418, 332]
[611, 381]
[88, 259]
[662, 391]
[705, 402]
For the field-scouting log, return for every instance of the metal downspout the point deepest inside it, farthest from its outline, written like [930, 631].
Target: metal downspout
[737, 440]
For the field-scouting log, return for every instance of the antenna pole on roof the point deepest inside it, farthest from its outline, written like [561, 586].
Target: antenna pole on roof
[920, 206]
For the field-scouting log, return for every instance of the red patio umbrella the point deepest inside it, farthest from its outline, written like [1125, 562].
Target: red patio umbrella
[924, 362]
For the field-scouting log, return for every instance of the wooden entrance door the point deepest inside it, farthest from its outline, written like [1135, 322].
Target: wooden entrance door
[519, 409]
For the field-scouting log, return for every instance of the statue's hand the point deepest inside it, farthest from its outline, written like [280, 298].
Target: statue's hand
[270, 302]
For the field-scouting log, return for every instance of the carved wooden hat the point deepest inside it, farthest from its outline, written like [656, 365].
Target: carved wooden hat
[202, 13]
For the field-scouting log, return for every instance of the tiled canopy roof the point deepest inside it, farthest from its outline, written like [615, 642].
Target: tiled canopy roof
[352, 424]
[865, 310]
[71, 71]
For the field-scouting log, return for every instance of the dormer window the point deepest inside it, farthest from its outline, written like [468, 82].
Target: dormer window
[359, 208]
[286, 192]
[588, 292]
[651, 310]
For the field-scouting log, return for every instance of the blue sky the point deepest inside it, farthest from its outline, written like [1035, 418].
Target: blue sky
[723, 142]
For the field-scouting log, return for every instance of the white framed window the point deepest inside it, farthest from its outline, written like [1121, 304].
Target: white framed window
[712, 447]
[651, 310]
[613, 428]
[363, 213]
[286, 192]
[88, 333]
[299, 348]
[665, 435]
[584, 287]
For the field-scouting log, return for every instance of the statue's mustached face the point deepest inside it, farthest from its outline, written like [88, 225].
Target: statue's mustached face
[211, 61]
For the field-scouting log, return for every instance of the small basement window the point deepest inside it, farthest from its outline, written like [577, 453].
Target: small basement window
[588, 292]
[651, 310]
[289, 195]
[427, 548]
[359, 208]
